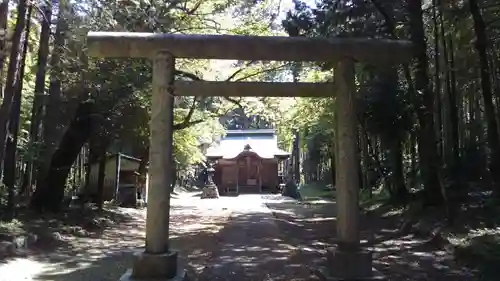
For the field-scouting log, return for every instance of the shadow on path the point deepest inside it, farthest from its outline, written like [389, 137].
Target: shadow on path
[107, 255]
[247, 238]
[251, 247]
[312, 228]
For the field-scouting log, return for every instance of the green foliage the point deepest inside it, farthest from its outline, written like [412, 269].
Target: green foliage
[384, 107]
[378, 95]
[121, 88]
[316, 191]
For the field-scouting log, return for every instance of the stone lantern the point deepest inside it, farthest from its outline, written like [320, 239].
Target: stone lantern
[210, 190]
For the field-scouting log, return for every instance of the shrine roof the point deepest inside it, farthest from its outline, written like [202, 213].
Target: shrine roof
[262, 142]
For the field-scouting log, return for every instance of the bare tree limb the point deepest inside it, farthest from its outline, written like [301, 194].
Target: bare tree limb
[262, 71]
[187, 120]
[184, 125]
[230, 77]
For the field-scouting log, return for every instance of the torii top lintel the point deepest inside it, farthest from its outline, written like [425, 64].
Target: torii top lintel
[238, 47]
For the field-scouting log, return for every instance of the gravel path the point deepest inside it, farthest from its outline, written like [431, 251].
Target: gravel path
[106, 256]
[231, 238]
[252, 247]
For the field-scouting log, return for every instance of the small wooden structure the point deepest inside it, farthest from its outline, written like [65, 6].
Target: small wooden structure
[247, 161]
[120, 178]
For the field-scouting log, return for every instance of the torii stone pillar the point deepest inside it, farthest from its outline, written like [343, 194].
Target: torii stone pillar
[347, 261]
[159, 261]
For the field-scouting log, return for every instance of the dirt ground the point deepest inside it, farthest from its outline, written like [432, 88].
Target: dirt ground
[249, 237]
[399, 257]
[105, 254]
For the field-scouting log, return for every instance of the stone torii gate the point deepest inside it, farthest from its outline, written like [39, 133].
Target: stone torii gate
[346, 261]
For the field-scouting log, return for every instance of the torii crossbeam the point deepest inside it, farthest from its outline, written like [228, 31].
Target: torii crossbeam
[239, 47]
[348, 261]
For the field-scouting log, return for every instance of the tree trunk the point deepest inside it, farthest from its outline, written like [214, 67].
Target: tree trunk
[413, 161]
[4, 11]
[398, 180]
[332, 157]
[393, 151]
[451, 112]
[437, 81]
[11, 145]
[453, 84]
[36, 111]
[174, 177]
[142, 170]
[88, 170]
[429, 159]
[365, 158]
[50, 190]
[52, 118]
[100, 180]
[12, 74]
[296, 157]
[481, 46]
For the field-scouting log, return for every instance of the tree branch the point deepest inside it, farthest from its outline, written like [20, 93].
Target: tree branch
[239, 71]
[188, 75]
[262, 71]
[186, 122]
[389, 22]
[184, 125]
[192, 76]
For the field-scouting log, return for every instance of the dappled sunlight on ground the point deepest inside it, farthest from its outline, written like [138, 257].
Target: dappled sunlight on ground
[410, 257]
[247, 237]
[311, 228]
[252, 247]
[20, 269]
[106, 255]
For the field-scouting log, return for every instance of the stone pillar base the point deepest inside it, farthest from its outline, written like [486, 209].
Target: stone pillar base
[155, 267]
[210, 191]
[349, 265]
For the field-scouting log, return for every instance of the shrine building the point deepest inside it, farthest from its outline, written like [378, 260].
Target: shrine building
[247, 161]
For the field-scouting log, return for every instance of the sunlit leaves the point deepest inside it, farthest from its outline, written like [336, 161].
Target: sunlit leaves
[121, 88]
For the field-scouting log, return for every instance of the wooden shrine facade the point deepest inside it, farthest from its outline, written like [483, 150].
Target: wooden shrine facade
[247, 161]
